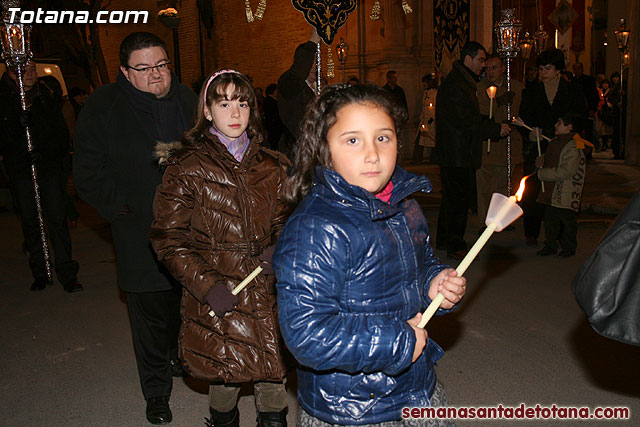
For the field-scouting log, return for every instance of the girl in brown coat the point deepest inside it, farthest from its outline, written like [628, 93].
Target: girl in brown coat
[217, 214]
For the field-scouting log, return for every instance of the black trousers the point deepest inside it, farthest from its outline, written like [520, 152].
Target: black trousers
[52, 198]
[560, 227]
[457, 194]
[155, 322]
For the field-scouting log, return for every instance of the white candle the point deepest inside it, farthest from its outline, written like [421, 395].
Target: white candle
[491, 93]
[242, 284]
[507, 207]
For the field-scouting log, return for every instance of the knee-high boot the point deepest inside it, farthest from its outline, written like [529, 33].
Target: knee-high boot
[272, 419]
[223, 419]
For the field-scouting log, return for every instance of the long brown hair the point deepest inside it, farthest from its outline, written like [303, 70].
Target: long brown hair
[321, 115]
[216, 90]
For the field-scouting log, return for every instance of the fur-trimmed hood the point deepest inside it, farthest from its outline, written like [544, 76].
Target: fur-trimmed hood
[164, 150]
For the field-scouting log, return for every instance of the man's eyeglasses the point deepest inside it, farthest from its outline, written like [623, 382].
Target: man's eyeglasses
[146, 70]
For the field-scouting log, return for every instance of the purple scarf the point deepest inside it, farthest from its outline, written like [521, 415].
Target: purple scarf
[237, 147]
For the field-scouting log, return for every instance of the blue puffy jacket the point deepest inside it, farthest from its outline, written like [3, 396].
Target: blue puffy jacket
[351, 271]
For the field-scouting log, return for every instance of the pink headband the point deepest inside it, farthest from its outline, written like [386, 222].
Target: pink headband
[213, 76]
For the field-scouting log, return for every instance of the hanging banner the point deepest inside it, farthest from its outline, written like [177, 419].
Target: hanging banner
[325, 15]
[451, 26]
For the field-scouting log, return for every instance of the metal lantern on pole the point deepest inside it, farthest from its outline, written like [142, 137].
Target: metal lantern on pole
[171, 18]
[342, 51]
[16, 52]
[526, 44]
[508, 33]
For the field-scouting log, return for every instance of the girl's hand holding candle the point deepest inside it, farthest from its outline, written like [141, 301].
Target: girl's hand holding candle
[502, 212]
[242, 284]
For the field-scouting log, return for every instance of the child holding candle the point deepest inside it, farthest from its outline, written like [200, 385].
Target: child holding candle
[355, 268]
[563, 167]
[218, 207]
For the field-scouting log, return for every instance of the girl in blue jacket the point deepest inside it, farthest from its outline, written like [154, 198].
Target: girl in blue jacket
[355, 268]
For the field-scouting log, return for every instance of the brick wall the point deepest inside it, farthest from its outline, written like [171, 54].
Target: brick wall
[263, 49]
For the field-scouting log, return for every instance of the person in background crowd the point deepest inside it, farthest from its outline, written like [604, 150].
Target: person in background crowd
[77, 98]
[296, 88]
[397, 93]
[541, 107]
[114, 172]
[590, 91]
[353, 80]
[492, 175]
[54, 88]
[426, 135]
[605, 116]
[562, 167]
[50, 139]
[272, 121]
[531, 78]
[260, 100]
[460, 129]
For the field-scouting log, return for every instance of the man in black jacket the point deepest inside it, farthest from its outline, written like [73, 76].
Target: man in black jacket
[296, 88]
[50, 138]
[460, 130]
[115, 172]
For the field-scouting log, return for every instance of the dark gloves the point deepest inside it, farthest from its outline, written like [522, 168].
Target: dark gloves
[220, 299]
[505, 98]
[265, 257]
[25, 119]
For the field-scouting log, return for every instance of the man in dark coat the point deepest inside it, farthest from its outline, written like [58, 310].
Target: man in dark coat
[50, 138]
[296, 89]
[460, 130]
[590, 91]
[397, 93]
[542, 105]
[116, 173]
[272, 121]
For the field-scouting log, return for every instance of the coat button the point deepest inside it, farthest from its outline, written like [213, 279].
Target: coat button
[379, 211]
[372, 396]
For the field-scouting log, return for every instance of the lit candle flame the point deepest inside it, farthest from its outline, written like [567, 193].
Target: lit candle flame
[491, 91]
[520, 191]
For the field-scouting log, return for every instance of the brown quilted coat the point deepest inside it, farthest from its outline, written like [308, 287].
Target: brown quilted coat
[213, 216]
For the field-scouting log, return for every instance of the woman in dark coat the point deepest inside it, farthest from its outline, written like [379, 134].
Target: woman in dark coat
[542, 104]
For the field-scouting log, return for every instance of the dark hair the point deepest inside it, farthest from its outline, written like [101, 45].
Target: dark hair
[431, 82]
[271, 88]
[494, 55]
[136, 41]
[471, 49]
[390, 73]
[554, 57]
[216, 91]
[320, 116]
[354, 79]
[75, 91]
[53, 86]
[574, 119]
